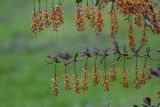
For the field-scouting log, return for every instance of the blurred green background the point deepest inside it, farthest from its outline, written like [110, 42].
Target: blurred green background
[25, 77]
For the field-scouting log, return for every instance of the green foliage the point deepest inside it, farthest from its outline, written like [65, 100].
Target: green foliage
[78, 1]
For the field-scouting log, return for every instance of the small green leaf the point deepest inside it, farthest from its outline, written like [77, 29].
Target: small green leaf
[76, 55]
[136, 106]
[61, 1]
[97, 2]
[78, 1]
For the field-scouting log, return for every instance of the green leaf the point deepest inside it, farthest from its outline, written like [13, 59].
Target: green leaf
[78, 1]
[97, 2]
[61, 1]
[76, 55]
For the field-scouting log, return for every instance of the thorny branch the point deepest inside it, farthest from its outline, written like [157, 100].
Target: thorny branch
[89, 53]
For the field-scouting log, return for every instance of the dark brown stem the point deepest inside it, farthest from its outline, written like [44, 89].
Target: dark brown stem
[65, 68]
[87, 2]
[131, 22]
[105, 69]
[92, 2]
[86, 63]
[34, 7]
[55, 75]
[124, 62]
[136, 62]
[144, 29]
[75, 70]
[53, 5]
[39, 5]
[145, 61]
[95, 63]
[46, 4]
[113, 68]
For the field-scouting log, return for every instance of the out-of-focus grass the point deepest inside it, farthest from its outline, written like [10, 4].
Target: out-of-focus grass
[25, 79]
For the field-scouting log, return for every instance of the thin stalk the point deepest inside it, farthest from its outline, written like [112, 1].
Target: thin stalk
[136, 62]
[53, 5]
[95, 64]
[85, 68]
[105, 69]
[34, 7]
[144, 29]
[105, 63]
[75, 69]
[86, 63]
[145, 61]
[131, 26]
[55, 75]
[39, 5]
[124, 62]
[65, 68]
[46, 4]
[114, 62]
[81, 4]
[92, 3]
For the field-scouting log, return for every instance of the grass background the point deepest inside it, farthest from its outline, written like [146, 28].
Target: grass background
[25, 79]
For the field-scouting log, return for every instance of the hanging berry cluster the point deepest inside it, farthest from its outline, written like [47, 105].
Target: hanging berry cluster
[139, 13]
[114, 21]
[57, 17]
[79, 18]
[110, 70]
[144, 16]
[43, 18]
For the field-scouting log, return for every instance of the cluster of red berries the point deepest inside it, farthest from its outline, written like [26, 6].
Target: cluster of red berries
[79, 18]
[106, 76]
[139, 80]
[57, 17]
[42, 19]
[114, 22]
[138, 12]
